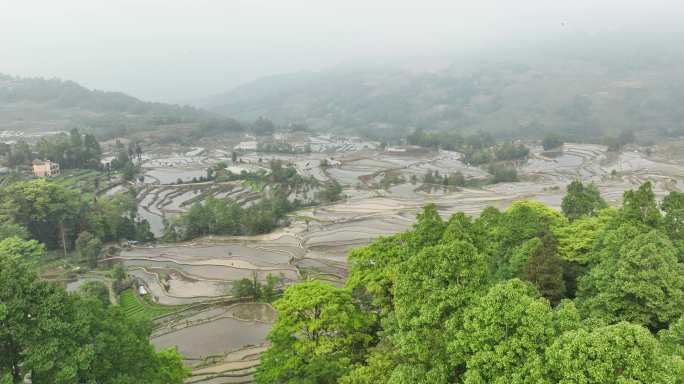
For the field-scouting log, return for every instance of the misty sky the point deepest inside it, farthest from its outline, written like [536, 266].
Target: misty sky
[183, 50]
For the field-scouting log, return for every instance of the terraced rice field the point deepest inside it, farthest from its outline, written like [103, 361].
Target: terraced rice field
[223, 343]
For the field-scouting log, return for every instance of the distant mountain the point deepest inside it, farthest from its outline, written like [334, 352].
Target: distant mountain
[575, 96]
[37, 104]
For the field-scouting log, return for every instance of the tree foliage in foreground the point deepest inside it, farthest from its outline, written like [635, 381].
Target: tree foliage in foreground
[319, 334]
[527, 295]
[61, 338]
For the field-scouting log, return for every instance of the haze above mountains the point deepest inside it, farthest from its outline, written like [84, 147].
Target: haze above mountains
[386, 68]
[184, 50]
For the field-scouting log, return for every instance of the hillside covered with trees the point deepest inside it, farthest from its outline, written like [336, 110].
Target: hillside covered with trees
[567, 90]
[38, 104]
[525, 295]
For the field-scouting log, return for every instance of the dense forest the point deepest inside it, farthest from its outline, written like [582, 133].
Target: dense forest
[526, 295]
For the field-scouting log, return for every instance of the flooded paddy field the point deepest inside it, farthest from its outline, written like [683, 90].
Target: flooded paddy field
[317, 240]
[231, 336]
[214, 337]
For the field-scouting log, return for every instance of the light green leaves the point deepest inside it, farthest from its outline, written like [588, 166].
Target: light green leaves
[620, 353]
[642, 283]
[319, 334]
[504, 335]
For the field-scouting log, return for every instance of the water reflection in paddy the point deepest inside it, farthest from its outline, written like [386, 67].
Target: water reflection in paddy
[214, 337]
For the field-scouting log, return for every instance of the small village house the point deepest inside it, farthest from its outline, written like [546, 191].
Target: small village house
[45, 168]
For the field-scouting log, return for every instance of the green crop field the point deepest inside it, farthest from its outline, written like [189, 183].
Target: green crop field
[137, 308]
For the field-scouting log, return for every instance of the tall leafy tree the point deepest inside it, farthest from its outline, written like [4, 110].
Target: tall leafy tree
[17, 296]
[20, 154]
[8, 228]
[95, 289]
[319, 334]
[582, 200]
[373, 269]
[544, 269]
[92, 152]
[672, 338]
[429, 228]
[642, 283]
[505, 334]
[552, 140]
[577, 240]
[433, 288]
[523, 221]
[640, 205]
[620, 353]
[459, 227]
[378, 367]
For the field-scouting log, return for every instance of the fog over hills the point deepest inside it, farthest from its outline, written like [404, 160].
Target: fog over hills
[184, 50]
[580, 89]
[583, 69]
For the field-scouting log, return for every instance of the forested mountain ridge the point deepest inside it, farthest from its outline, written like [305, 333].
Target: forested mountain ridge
[38, 104]
[69, 94]
[579, 98]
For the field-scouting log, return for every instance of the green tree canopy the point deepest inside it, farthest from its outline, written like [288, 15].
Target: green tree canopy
[552, 140]
[60, 338]
[620, 353]
[673, 338]
[642, 283]
[544, 269]
[522, 221]
[373, 269]
[447, 302]
[577, 239]
[433, 288]
[46, 209]
[640, 205]
[429, 228]
[582, 200]
[318, 336]
[504, 335]
[95, 289]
